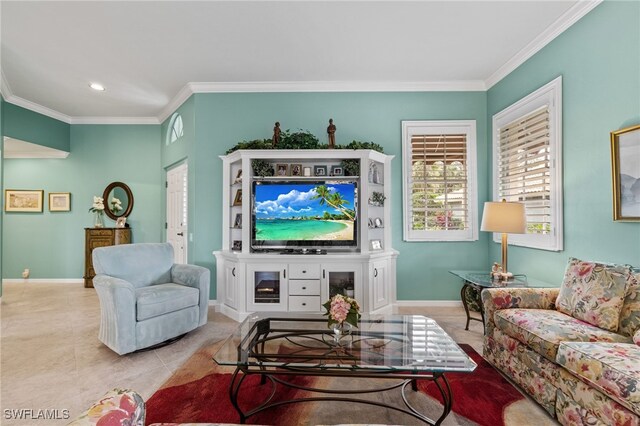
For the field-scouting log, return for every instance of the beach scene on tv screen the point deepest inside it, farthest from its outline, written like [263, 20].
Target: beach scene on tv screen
[305, 212]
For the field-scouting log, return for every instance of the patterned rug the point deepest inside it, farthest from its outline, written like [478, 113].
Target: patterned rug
[198, 392]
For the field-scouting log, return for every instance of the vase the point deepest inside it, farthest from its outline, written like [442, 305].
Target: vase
[340, 331]
[98, 220]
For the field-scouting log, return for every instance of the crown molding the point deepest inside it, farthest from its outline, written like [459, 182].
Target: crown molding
[32, 106]
[570, 17]
[175, 103]
[5, 89]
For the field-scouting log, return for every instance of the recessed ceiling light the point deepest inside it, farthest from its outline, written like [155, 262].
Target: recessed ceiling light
[97, 86]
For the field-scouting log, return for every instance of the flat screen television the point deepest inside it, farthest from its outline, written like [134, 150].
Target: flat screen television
[304, 214]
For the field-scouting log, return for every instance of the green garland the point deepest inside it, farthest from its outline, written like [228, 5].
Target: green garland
[302, 140]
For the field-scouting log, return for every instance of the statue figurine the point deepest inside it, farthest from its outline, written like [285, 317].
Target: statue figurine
[276, 133]
[496, 271]
[331, 131]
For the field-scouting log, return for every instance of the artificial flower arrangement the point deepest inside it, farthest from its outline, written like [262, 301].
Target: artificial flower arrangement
[341, 309]
[98, 205]
[98, 209]
[116, 205]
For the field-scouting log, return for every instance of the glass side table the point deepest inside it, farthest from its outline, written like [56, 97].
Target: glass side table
[475, 281]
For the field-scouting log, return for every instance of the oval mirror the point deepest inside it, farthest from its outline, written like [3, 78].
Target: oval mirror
[118, 200]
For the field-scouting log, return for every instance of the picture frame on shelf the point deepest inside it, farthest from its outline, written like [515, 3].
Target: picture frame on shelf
[375, 244]
[23, 200]
[371, 223]
[319, 170]
[237, 245]
[296, 169]
[378, 222]
[237, 223]
[306, 171]
[238, 178]
[237, 200]
[59, 201]
[625, 167]
[337, 171]
[282, 170]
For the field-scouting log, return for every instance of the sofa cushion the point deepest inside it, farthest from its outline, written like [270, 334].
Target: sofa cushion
[594, 292]
[161, 299]
[630, 313]
[612, 368]
[543, 329]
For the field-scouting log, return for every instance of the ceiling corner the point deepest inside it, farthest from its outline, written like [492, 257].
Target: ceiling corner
[570, 17]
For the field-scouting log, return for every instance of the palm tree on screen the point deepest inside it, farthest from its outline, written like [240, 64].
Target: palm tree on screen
[334, 199]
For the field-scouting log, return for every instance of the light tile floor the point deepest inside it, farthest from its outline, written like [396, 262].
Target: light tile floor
[51, 357]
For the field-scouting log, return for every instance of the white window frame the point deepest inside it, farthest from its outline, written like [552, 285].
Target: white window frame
[170, 131]
[434, 127]
[549, 95]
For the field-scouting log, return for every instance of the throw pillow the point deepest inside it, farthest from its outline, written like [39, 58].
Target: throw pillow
[636, 338]
[594, 292]
[630, 313]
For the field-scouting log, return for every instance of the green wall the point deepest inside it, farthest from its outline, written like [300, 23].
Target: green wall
[222, 120]
[599, 60]
[51, 244]
[36, 128]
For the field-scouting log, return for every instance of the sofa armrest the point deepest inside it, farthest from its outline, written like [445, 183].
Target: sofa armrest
[118, 406]
[197, 277]
[118, 313]
[494, 299]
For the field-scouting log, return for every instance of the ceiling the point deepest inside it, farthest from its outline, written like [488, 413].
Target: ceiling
[151, 55]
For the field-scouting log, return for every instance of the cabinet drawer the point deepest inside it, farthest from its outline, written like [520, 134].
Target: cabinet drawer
[304, 270]
[304, 287]
[304, 303]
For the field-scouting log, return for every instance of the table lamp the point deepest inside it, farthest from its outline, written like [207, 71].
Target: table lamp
[507, 218]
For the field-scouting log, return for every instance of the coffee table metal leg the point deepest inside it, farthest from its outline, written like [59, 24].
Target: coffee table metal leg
[234, 389]
[463, 297]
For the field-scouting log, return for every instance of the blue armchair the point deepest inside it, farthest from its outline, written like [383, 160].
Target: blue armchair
[145, 298]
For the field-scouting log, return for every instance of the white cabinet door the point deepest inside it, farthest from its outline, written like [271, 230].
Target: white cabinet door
[267, 288]
[231, 273]
[340, 278]
[379, 290]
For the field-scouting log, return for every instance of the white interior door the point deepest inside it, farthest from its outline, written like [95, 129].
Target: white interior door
[177, 213]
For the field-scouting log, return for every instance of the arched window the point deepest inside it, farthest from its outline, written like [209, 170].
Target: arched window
[176, 129]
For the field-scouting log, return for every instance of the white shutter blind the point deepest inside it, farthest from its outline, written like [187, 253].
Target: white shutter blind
[524, 167]
[439, 182]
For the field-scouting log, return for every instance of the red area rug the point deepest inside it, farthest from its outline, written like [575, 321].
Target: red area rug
[198, 392]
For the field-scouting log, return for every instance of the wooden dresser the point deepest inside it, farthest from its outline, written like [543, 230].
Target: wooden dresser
[101, 237]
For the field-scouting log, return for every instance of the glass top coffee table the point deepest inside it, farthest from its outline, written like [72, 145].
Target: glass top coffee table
[280, 346]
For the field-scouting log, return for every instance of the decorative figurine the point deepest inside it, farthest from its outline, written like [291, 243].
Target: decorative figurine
[496, 272]
[276, 133]
[331, 131]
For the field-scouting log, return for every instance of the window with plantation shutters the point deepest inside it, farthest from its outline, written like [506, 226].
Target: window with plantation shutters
[526, 160]
[439, 164]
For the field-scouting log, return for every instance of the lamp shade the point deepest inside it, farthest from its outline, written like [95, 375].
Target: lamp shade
[508, 218]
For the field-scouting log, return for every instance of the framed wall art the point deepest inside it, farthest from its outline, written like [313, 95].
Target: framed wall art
[237, 201]
[59, 201]
[625, 167]
[23, 201]
[320, 170]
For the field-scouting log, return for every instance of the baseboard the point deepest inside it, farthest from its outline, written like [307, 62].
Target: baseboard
[43, 281]
[429, 303]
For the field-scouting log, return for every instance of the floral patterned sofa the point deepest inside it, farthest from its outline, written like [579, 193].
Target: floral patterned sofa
[574, 349]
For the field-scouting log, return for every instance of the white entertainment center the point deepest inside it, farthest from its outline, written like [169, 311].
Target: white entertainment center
[301, 279]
